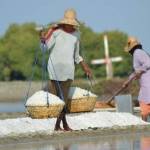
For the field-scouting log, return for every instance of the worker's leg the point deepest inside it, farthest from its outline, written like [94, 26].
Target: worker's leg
[65, 85]
[53, 88]
[145, 110]
[144, 117]
[61, 89]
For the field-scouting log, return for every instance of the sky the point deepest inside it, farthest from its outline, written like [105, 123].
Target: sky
[129, 16]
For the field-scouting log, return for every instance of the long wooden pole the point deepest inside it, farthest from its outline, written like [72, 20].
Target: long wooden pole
[109, 70]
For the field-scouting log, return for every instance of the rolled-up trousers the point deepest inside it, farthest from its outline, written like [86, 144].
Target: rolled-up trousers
[60, 88]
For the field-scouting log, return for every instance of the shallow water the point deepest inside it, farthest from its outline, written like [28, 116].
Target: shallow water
[12, 107]
[114, 142]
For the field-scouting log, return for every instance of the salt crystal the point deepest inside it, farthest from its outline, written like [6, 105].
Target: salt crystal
[29, 127]
[76, 92]
[41, 98]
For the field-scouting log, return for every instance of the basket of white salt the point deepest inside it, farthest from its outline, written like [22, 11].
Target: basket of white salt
[44, 105]
[80, 100]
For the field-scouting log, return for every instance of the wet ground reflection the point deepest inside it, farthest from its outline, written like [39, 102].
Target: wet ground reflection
[12, 107]
[114, 142]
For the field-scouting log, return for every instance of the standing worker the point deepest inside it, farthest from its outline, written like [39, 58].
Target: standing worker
[141, 66]
[63, 43]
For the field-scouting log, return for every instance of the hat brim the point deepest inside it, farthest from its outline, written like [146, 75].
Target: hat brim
[129, 48]
[72, 22]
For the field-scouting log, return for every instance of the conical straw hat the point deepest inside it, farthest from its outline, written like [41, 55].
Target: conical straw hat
[131, 42]
[69, 18]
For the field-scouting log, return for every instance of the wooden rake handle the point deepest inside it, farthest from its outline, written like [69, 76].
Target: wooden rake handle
[119, 90]
[116, 93]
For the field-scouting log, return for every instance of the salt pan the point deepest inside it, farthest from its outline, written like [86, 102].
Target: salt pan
[41, 98]
[28, 127]
[76, 92]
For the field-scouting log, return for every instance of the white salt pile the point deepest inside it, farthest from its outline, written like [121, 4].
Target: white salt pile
[41, 98]
[76, 92]
[28, 127]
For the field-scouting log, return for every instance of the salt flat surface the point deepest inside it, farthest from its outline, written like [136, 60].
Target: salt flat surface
[28, 126]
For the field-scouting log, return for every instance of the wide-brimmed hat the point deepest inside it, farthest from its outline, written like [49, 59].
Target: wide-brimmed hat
[131, 42]
[69, 18]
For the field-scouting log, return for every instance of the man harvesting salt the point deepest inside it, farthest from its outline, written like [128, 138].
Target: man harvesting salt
[63, 43]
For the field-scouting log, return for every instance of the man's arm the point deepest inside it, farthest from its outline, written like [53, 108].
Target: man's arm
[86, 69]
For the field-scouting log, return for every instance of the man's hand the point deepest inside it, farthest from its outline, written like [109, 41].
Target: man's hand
[132, 77]
[86, 69]
[42, 37]
[138, 74]
[125, 84]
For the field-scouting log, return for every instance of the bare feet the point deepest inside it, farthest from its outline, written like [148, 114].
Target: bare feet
[58, 129]
[67, 128]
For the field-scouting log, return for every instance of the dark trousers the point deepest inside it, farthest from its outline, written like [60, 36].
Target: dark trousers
[61, 90]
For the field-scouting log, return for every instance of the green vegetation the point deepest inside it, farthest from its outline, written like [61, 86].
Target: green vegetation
[19, 43]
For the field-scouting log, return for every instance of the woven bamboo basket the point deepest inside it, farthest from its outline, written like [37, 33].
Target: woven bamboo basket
[42, 112]
[85, 104]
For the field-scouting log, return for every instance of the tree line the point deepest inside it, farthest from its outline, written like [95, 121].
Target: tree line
[20, 44]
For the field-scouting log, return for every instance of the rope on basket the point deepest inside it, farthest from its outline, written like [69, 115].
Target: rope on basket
[43, 49]
[32, 75]
[44, 71]
[90, 81]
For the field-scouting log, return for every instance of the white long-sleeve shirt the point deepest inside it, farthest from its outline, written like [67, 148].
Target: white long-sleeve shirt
[64, 54]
